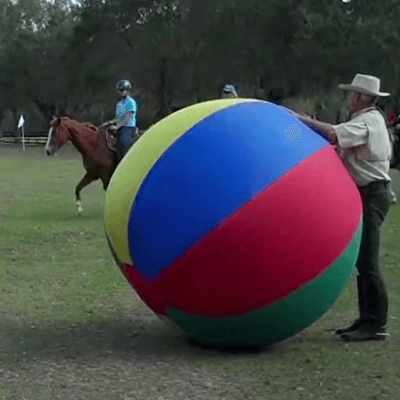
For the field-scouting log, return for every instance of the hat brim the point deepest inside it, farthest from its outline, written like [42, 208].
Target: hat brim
[358, 89]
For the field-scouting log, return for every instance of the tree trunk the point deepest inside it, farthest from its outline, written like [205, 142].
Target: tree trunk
[15, 129]
[164, 109]
[1, 121]
[47, 110]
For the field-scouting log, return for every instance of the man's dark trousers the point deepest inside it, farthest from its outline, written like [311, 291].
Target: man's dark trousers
[372, 294]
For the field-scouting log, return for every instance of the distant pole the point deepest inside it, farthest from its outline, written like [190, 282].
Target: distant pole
[23, 138]
[21, 123]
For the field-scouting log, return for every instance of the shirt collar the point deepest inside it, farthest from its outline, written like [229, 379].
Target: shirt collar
[123, 99]
[362, 111]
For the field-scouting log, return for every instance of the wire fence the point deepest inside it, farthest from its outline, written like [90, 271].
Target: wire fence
[37, 140]
[30, 138]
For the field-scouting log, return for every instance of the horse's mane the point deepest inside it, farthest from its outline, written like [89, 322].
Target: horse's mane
[88, 124]
[91, 126]
[73, 118]
[70, 116]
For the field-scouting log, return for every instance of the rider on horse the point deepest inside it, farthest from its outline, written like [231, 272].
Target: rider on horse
[125, 119]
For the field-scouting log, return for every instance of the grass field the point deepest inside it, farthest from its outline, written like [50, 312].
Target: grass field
[72, 328]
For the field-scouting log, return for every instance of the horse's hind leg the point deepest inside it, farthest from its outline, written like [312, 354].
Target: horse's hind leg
[86, 180]
[106, 176]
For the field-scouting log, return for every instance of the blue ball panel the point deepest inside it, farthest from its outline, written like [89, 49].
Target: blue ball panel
[211, 171]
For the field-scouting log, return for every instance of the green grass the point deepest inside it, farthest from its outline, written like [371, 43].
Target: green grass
[72, 328]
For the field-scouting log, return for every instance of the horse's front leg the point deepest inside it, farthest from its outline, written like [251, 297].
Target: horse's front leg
[86, 180]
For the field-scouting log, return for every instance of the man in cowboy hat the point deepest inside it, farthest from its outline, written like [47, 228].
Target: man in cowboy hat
[364, 145]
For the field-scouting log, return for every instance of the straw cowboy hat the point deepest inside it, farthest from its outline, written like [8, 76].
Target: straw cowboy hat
[366, 84]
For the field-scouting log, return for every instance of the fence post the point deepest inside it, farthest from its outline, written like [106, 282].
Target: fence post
[21, 123]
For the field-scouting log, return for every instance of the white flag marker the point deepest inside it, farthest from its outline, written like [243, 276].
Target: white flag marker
[21, 122]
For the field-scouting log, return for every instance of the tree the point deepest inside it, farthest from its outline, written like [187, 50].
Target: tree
[66, 58]
[33, 61]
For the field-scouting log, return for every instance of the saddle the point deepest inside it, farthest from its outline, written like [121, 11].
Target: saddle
[112, 140]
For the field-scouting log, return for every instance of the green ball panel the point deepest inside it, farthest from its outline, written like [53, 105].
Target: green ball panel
[283, 318]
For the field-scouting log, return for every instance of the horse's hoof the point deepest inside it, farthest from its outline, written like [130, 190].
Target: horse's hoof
[80, 209]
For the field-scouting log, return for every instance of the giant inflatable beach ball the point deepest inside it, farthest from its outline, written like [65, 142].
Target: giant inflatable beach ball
[235, 221]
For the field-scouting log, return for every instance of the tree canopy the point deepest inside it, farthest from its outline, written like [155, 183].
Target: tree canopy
[66, 56]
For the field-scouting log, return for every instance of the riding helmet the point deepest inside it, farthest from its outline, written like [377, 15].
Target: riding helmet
[229, 89]
[124, 84]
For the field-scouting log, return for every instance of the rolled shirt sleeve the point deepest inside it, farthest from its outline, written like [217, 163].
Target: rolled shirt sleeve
[351, 134]
[131, 105]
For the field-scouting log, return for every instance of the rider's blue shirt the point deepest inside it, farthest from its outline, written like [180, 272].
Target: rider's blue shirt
[125, 105]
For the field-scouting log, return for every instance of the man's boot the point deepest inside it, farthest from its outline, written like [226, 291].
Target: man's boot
[373, 314]
[366, 331]
[362, 306]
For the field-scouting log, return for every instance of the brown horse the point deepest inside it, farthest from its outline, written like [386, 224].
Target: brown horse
[91, 142]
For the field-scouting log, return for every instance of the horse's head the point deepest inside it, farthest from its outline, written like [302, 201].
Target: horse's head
[58, 135]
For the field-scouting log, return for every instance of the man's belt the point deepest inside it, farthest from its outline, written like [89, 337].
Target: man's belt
[376, 185]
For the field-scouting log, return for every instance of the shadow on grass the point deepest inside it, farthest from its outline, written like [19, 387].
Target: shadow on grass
[227, 348]
[101, 337]
[122, 338]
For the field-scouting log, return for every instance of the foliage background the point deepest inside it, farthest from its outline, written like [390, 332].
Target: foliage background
[62, 57]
